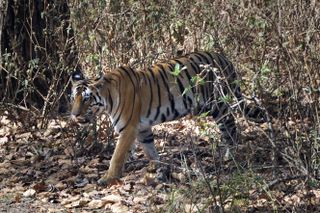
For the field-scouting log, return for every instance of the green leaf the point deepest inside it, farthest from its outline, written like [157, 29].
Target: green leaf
[265, 69]
[204, 114]
[187, 89]
[226, 98]
[197, 80]
[176, 71]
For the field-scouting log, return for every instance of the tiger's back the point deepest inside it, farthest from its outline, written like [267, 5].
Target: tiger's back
[190, 84]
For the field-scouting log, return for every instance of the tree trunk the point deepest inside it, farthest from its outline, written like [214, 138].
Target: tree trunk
[37, 54]
[3, 8]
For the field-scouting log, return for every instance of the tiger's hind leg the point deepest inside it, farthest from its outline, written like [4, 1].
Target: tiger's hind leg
[146, 139]
[228, 129]
[226, 123]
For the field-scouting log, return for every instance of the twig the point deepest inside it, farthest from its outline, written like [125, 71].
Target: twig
[281, 180]
[15, 106]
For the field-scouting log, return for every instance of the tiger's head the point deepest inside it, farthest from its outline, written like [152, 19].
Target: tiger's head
[86, 102]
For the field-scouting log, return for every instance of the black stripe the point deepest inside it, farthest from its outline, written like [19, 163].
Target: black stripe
[198, 57]
[120, 96]
[124, 101]
[220, 62]
[227, 67]
[211, 58]
[118, 118]
[144, 131]
[195, 67]
[189, 81]
[148, 140]
[211, 76]
[162, 68]
[110, 100]
[134, 74]
[179, 62]
[165, 82]
[151, 98]
[150, 135]
[152, 74]
[182, 88]
[190, 102]
[159, 94]
[134, 98]
[129, 74]
[201, 85]
[198, 70]
[180, 85]
[159, 102]
[168, 111]
[171, 66]
[97, 97]
[192, 59]
[163, 118]
[176, 115]
[204, 56]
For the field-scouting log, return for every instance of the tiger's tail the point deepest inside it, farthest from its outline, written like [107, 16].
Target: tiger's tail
[252, 110]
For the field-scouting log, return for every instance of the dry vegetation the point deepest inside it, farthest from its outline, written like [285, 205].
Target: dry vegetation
[46, 164]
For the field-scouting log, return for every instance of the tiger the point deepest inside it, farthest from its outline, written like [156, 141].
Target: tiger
[135, 100]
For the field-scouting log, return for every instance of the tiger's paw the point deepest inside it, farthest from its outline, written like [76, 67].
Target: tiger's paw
[161, 172]
[109, 181]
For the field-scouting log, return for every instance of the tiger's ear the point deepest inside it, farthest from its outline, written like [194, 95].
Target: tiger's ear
[77, 76]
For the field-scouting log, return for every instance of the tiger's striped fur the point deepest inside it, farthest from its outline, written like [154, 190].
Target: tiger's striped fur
[136, 100]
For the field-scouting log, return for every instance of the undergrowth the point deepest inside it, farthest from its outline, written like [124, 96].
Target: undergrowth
[275, 47]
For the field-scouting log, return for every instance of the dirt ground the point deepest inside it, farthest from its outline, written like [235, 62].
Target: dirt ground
[55, 170]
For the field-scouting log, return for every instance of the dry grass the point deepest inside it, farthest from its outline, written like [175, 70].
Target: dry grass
[274, 45]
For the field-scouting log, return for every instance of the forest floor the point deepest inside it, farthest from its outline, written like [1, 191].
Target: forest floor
[55, 170]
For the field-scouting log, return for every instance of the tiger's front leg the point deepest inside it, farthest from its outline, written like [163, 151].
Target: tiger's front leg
[126, 139]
